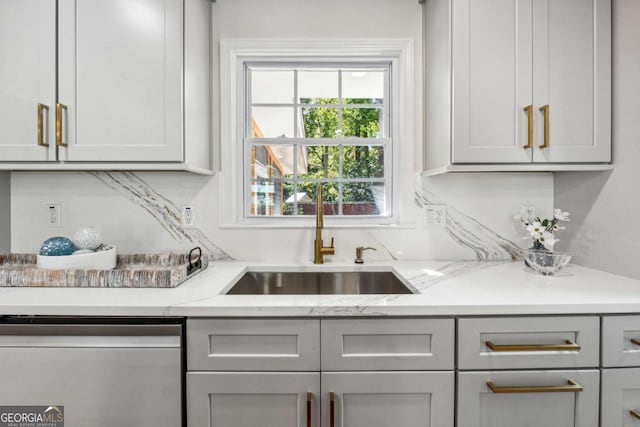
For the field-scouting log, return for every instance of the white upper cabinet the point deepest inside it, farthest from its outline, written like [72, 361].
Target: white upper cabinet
[525, 83]
[121, 79]
[27, 80]
[133, 85]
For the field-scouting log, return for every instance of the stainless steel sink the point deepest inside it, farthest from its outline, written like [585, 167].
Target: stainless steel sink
[299, 283]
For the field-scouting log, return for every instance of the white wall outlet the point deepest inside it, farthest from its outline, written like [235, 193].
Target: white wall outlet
[435, 215]
[528, 212]
[53, 217]
[188, 216]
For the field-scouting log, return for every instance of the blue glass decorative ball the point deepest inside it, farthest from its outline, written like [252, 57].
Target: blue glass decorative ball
[57, 246]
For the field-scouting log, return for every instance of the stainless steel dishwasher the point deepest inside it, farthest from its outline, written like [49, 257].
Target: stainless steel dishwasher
[101, 375]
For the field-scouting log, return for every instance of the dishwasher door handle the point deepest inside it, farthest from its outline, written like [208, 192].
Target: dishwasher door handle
[89, 341]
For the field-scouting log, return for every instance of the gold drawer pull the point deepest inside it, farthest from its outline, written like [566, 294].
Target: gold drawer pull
[571, 387]
[635, 413]
[41, 108]
[332, 410]
[529, 110]
[567, 346]
[309, 397]
[545, 111]
[635, 341]
[59, 108]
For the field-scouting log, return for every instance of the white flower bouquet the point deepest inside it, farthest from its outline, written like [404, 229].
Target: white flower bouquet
[542, 230]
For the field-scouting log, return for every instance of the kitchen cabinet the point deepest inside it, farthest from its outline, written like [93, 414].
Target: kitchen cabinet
[528, 398]
[27, 80]
[620, 403]
[383, 399]
[620, 397]
[491, 394]
[244, 399]
[517, 82]
[221, 392]
[132, 84]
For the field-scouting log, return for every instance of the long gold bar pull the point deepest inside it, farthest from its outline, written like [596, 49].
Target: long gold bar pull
[529, 110]
[59, 108]
[309, 397]
[41, 108]
[567, 346]
[635, 341]
[545, 111]
[332, 410]
[635, 413]
[571, 387]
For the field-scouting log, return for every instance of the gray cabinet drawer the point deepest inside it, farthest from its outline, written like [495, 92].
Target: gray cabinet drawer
[253, 345]
[528, 342]
[620, 341]
[387, 344]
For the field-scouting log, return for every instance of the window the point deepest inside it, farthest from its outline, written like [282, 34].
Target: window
[317, 122]
[295, 113]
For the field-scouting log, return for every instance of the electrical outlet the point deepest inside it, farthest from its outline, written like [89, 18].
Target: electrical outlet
[53, 218]
[435, 215]
[528, 212]
[188, 216]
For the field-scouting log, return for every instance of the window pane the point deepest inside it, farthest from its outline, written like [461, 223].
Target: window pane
[362, 122]
[330, 198]
[267, 197]
[272, 122]
[363, 198]
[363, 85]
[319, 122]
[322, 161]
[363, 161]
[275, 161]
[272, 87]
[318, 87]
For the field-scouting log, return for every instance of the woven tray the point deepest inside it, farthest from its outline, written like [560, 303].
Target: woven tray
[132, 271]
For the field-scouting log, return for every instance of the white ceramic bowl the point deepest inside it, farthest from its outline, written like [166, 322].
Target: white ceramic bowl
[103, 260]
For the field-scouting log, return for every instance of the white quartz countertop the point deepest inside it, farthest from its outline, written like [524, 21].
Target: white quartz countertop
[445, 288]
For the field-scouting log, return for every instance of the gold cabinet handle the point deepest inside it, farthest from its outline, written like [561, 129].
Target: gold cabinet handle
[635, 341]
[567, 346]
[332, 410]
[634, 413]
[59, 108]
[571, 387]
[529, 110]
[545, 112]
[41, 108]
[309, 398]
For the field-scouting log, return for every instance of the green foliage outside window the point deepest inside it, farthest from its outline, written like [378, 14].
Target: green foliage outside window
[324, 161]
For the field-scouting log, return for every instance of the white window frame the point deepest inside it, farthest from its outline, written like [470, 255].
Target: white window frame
[236, 53]
[385, 142]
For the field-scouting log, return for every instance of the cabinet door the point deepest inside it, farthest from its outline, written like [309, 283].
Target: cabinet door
[572, 75]
[250, 399]
[621, 397]
[120, 65]
[511, 406]
[384, 399]
[27, 78]
[492, 80]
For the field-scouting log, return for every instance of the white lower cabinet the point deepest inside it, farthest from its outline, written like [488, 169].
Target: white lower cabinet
[621, 397]
[528, 399]
[295, 399]
[385, 399]
[251, 399]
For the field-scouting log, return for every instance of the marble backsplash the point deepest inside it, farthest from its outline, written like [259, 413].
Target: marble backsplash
[140, 213]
